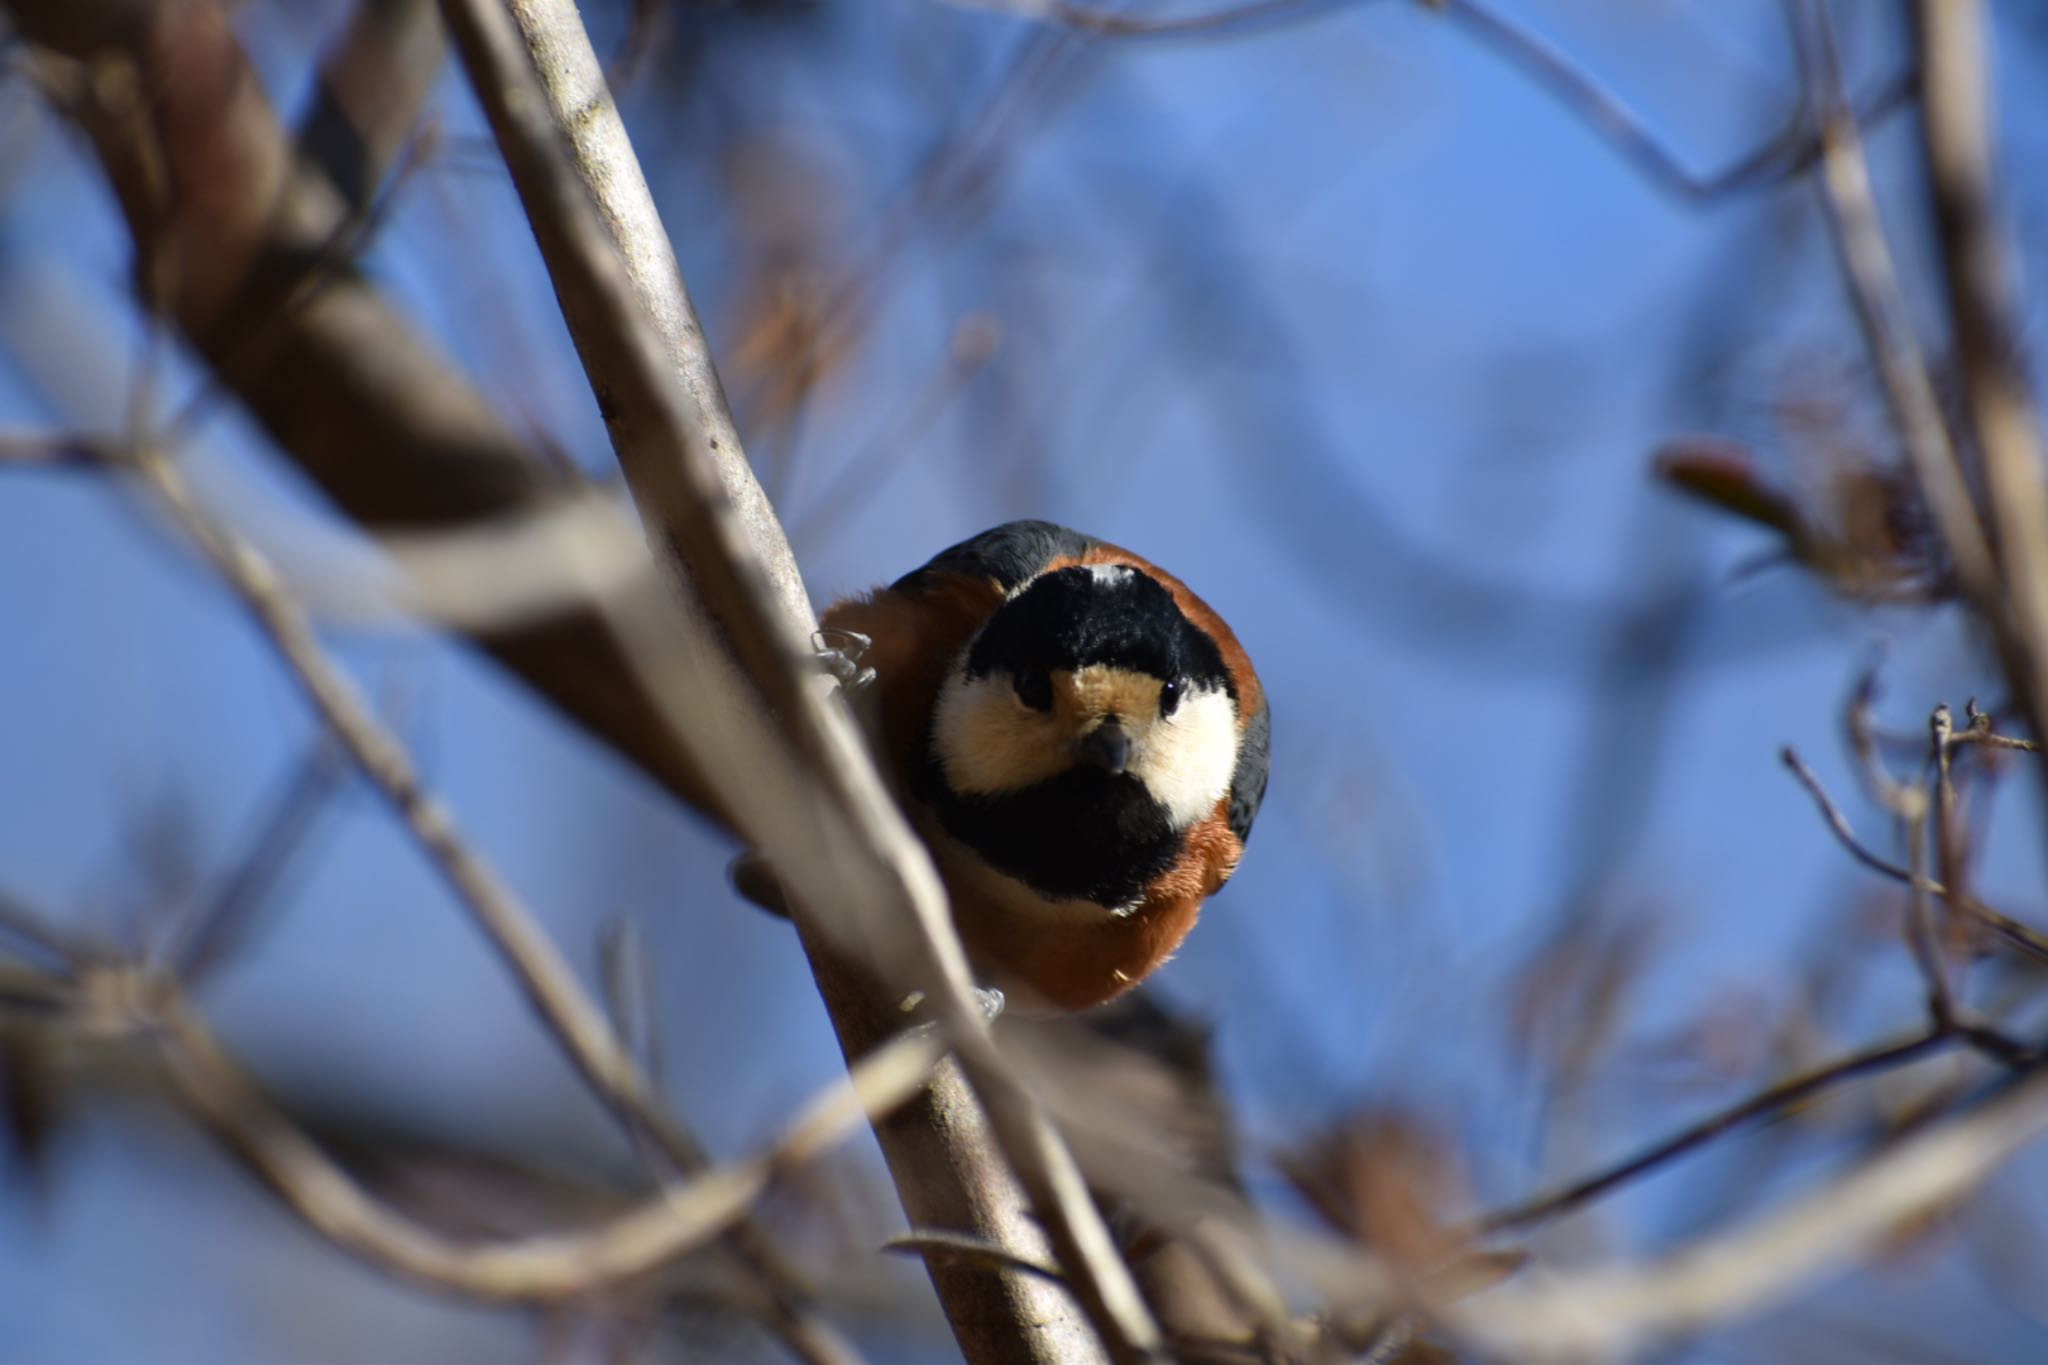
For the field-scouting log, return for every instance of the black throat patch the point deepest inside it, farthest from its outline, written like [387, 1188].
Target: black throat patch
[1086, 834]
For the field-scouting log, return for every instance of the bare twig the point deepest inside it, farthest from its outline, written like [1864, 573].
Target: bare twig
[48, 450]
[1247, 16]
[1920, 931]
[1610, 1311]
[2028, 940]
[877, 875]
[958, 1246]
[1979, 730]
[1765, 1104]
[546, 979]
[1873, 284]
[602, 157]
[1787, 153]
[374, 82]
[371, 412]
[511, 928]
[1976, 263]
[629, 995]
[32, 932]
[678, 1219]
[209, 932]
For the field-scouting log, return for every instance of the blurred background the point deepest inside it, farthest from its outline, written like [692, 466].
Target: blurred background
[1353, 316]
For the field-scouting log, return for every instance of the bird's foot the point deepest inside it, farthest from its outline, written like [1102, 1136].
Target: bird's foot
[841, 652]
[987, 998]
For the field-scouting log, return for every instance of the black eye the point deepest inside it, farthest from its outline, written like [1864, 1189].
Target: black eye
[1170, 694]
[1034, 689]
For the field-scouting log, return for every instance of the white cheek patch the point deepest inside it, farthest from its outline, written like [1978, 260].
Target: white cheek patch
[1188, 758]
[987, 743]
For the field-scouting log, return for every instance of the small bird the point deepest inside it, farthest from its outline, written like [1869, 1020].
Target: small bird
[1081, 740]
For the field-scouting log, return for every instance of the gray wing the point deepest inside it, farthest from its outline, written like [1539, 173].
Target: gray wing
[1012, 554]
[1248, 783]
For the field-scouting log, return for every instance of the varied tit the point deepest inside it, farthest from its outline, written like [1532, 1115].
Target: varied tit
[1082, 741]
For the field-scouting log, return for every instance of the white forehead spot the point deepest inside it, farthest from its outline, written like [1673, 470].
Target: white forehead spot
[1109, 575]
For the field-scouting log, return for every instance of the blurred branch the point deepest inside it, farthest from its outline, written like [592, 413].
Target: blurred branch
[934, 1245]
[677, 1219]
[878, 876]
[33, 932]
[209, 932]
[1873, 284]
[1771, 1103]
[367, 408]
[1981, 289]
[2030, 941]
[1609, 1312]
[374, 82]
[544, 976]
[1788, 152]
[601, 157]
[1227, 21]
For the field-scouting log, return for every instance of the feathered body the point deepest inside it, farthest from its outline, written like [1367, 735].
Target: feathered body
[1083, 742]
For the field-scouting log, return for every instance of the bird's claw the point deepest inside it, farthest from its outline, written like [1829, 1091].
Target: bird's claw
[988, 999]
[841, 651]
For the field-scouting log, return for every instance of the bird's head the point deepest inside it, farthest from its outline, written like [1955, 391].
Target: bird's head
[1091, 677]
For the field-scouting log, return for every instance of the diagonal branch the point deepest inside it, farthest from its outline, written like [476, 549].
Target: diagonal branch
[678, 1219]
[1872, 279]
[380, 419]
[1765, 1104]
[816, 807]
[547, 980]
[1618, 1311]
[1977, 266]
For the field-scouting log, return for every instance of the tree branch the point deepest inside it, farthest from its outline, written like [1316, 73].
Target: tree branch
[1976, 264]
[375, 415]
[1769, 1103]
[678, 1219]
[1872, 280]
[1611, 1312]
[813, 802]
[550, 985]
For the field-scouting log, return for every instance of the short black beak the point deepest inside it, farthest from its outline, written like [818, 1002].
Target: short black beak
[1106, 747]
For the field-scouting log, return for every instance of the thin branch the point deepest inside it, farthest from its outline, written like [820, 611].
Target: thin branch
[1844, 833]
[1613, 1312]
[346, 387]
[1236, 20]
[1977, 266]
[48, 450]
[1921, 937]
[678, 1219]
[1873, 284]
[1770, 1103]
[208, 933]
[2028, 940]
[820, 793]
[568, 1010]
[544, 975]
[960, 1247]
[1979, 731]
[39, 936]
[1787, 153]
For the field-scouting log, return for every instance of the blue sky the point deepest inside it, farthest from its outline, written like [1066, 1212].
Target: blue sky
[1346, 323]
